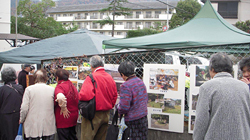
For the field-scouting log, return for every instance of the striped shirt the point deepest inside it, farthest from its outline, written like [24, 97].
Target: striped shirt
[133, 99]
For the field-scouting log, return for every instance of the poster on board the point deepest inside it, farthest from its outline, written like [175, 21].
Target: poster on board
[166, 90]
[73, 72]
[112, 69]
[199, 74]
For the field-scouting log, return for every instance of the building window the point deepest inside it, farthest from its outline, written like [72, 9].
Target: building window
[119, 33]
[119, 23]
[58, 15]
[93, 16]
[228, 9]
[137, 15]
[102, 33]
[51, 15]
[110, 33]
[101, 15]
[71, 15]
[94, 26]
[79, 25]
[157, 13]
[137, 24]
[64, 15]
[148, 14]
[147, 24]
[130, 16]
[128, 25]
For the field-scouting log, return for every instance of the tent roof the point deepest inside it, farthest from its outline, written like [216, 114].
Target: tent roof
[13, 37]
[78, 43]
[207, 28]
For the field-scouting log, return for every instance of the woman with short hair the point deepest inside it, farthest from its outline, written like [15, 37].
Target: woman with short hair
[37, 110]
[10, 102]
[66, 106]
[133, 102]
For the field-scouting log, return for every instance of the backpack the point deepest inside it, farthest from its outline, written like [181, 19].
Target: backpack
[88, 108]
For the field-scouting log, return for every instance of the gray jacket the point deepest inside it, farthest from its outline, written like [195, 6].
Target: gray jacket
[222, 111]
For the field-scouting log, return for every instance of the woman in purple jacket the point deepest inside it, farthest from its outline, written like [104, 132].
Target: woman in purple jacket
[133, 102]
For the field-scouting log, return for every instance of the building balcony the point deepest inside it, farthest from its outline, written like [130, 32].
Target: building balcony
[80, 17]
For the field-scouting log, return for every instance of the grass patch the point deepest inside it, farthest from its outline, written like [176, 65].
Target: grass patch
[177, 110]
[156, 105]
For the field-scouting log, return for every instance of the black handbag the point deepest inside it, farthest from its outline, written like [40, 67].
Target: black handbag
[113, 129]
[88, 108]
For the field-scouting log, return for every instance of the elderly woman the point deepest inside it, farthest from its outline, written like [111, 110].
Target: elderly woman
[222, 111]
[133, 102]
[37, 110]
[66, 106]
[10, 102]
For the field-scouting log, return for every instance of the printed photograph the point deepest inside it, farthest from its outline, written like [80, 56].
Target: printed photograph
[168, 105]
[112, 69]
[74, 83]
[163, 79]
[83, 72]
[192, 122]
[79, 87]
[159, 121]
[202, 75]
[194, 101]
[72, 71]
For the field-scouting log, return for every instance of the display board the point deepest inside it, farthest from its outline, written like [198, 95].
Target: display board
[166, 90]
[199, 74]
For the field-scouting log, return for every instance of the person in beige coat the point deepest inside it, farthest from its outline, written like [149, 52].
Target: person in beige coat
[37, 109]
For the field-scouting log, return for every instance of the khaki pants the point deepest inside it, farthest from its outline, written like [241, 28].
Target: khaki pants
[100, 123]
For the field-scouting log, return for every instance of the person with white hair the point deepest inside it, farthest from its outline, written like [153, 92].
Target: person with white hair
[37, 109]
[10, 102]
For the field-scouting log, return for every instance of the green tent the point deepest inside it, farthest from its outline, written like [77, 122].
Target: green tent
[78, 43]
[207, 28]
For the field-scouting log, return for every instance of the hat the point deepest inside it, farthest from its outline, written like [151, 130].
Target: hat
[32, 67]
[26, 65]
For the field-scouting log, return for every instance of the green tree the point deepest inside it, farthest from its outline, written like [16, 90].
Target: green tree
[116, 8]
[185, 11]
[141, 32]
[244, 26]
[32, 20]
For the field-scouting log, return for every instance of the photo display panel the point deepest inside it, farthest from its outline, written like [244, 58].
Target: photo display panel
[166, 91]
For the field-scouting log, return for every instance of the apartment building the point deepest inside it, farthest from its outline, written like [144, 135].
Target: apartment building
[143, 15]
[4, 23]
[232, 10]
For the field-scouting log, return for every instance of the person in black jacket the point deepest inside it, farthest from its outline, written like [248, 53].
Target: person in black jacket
[22, 76]
[10, 103]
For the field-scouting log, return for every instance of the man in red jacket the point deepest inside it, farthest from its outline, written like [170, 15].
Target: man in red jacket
[105, 94]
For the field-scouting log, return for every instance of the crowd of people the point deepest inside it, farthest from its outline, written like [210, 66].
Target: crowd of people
[222, 110]
[45, 111]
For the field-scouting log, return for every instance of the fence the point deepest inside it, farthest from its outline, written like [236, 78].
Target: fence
[184, 56]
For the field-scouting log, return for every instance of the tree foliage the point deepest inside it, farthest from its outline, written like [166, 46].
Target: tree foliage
[141, 32]
[185, 11]
[244, 26]
[116, 8]
[32, 20]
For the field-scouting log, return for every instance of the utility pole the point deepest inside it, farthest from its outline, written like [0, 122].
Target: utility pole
[16, 26]
[167, 14]
[113, 24]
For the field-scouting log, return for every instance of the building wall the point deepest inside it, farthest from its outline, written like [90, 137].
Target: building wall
[243, 11]
[139, 19]
[4, 23]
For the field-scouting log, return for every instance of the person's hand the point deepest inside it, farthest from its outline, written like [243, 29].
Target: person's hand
[19, 121]
[245, 80]
[65, 112]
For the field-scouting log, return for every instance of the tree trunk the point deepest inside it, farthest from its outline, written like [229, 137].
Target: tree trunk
[113, 24]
